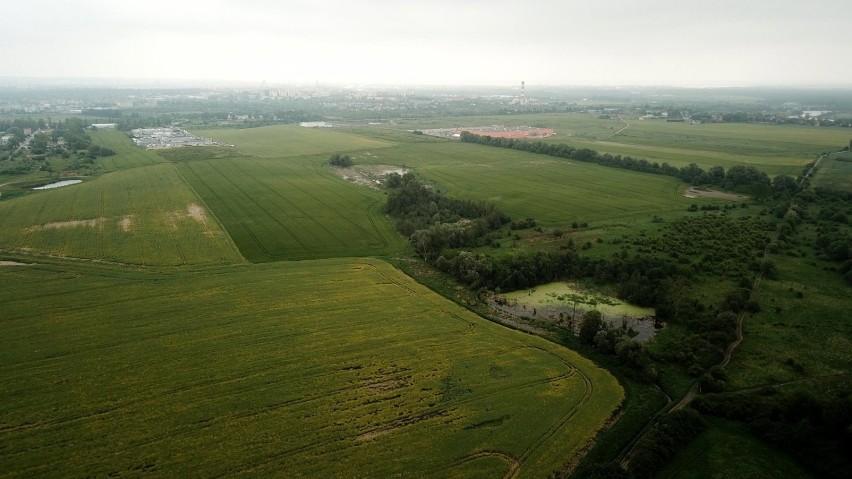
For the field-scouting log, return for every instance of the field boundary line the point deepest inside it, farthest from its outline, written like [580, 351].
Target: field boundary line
[264, 210]
[234, 214]
[294, 205]
[212, 213]
[164, 213]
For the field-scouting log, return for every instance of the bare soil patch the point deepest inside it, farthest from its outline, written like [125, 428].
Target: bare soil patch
[126, 223]
[196, 212]
[13, 263]
[193, 211]
[699, 192]
[68, 224]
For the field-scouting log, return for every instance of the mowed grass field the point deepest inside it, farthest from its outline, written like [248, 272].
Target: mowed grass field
[775, 149]
[142, 213]
[331, 368]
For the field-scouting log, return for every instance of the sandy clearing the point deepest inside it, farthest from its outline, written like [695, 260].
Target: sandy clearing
[196, 212]
[126, 223]
[696, 192]
[13, 263]
[68, 224]
[370, 176]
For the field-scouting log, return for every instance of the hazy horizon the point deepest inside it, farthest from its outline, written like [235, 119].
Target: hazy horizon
[662, 43]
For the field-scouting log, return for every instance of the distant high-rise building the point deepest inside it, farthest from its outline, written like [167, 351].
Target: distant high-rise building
[522, 100]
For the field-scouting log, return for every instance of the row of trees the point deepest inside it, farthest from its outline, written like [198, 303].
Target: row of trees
[745, 179]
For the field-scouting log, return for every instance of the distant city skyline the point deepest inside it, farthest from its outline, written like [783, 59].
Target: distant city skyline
[474, 42]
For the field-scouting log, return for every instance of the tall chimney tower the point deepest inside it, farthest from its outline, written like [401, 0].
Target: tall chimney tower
[522, 101]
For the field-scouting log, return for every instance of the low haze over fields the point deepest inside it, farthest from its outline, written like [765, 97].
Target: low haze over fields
[621, 42]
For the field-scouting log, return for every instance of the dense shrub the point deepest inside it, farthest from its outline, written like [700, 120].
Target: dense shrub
[671, 433]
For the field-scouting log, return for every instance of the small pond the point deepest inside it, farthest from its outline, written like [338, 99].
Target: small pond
[557, 301]
[58, 184]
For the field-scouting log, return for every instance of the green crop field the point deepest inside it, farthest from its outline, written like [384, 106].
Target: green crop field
[551, 190]
[293, 209]
[290, 140]
[140, 340]
[771, 148]
[143, 216]
[127, 154]
[835, 171]
[283, 202]
[324, 369]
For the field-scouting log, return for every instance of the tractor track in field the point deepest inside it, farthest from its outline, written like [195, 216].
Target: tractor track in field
[560, 423]
[383, 242]
[207, 229]
[5, 218]
[512, 463]
[353, 223]
[101, 239]
[30, 231]
[627, 125]
[206, 205]
[164, 213]
[827, 377]
[70, 217]
[293, 205]
[264, 210]
[440, 410]
[141, 223]
[471, 326]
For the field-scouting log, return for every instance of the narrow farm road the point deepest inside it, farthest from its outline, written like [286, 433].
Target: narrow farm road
[627, 125]
[729, 351]
[696, 386]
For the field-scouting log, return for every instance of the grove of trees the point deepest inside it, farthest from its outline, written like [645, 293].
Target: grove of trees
[340, 161]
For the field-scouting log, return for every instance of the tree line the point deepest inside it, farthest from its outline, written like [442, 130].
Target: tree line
[744, 179]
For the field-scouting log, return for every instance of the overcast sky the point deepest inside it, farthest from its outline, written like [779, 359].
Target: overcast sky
[446, 42]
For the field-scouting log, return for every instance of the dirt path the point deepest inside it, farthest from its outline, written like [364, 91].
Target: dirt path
[729, 351]
[619, 131]
[810, 171]
[828, 377]
[695, 192]
[696, 386]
